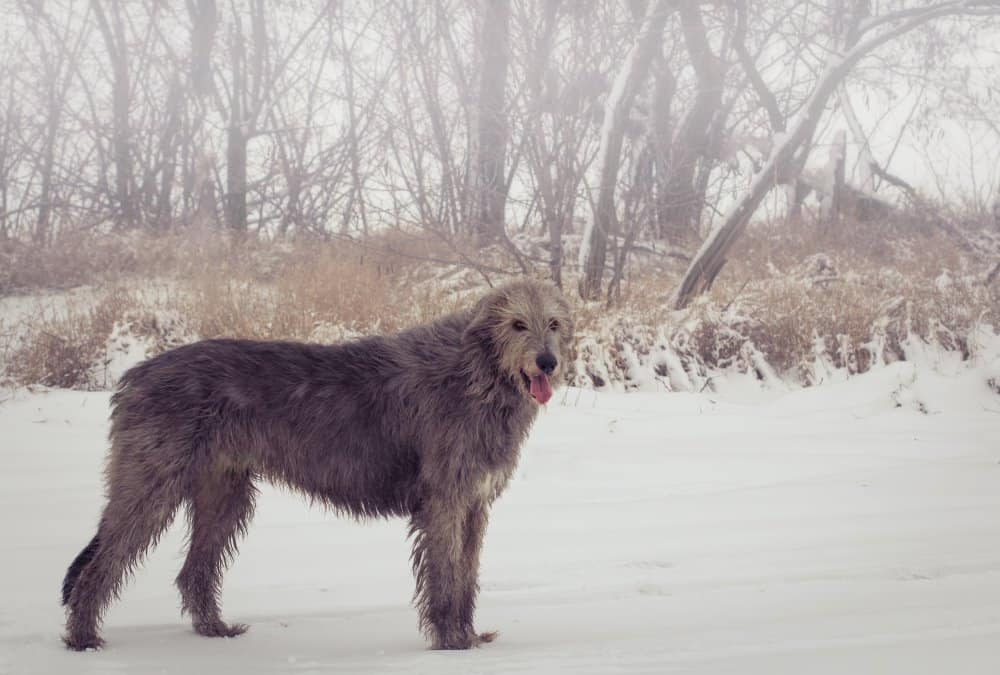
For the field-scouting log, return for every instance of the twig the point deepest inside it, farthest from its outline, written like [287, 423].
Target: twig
[991, 277]
[54, 336]
[737, 295]
[424, 258]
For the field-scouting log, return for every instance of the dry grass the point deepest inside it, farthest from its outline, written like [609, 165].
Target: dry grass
[60, 349]
[322, 289]
[801, 281]
[206, 288]
[795, 293]
[777, 295]
[86, 258]
[99, 259]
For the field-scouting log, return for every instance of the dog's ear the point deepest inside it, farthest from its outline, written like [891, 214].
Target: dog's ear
[484, 319]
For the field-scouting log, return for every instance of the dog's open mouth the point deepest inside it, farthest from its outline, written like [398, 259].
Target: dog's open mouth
[538, 386]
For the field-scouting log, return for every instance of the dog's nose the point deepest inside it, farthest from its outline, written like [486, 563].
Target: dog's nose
[546, 363]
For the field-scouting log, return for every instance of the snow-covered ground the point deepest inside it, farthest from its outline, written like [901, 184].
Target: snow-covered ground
[849, 528]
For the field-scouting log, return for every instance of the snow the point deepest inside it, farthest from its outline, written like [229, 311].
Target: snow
[16, 310]
[123, 350]
[832, 529]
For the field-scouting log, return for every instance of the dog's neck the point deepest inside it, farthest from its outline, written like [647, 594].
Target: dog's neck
[487, 382]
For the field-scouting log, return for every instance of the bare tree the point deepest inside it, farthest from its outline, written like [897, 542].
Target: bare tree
[861, 36]
[603, 221]
[58, 49]
[519, 123]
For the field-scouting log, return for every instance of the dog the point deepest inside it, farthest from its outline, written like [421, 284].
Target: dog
[426, 424]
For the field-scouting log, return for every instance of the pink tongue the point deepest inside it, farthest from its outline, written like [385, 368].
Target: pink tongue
[541, 391]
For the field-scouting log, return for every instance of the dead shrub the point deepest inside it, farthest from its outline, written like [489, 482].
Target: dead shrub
[61, 349]
[794, 294]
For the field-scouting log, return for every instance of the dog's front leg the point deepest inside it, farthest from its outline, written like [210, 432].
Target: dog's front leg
[447, 537]
[474, 530]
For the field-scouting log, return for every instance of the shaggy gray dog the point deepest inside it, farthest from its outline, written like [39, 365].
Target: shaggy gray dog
[425, 424]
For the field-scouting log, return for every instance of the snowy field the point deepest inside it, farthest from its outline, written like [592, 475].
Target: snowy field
[850, 528]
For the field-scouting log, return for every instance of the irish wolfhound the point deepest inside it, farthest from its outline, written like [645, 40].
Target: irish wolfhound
[425, 424]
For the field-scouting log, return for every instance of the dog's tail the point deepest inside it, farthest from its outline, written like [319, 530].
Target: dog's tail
[79, 562]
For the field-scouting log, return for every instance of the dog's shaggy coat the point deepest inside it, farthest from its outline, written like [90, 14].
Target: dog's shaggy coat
[425, 424]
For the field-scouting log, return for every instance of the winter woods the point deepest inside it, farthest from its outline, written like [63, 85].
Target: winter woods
[566, 134]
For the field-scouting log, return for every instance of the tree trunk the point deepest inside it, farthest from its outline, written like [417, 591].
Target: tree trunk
[491, 192]
[865, 180]
[603, 221]
[664, 87]
[540, 157]
[204, 17]
[43, 226]
[236, 144]
[996, 211]
[168, 155]
[356, 195]
[113, 33]
[692, 139]
[198, 161]
[838, 165]
[236, 180]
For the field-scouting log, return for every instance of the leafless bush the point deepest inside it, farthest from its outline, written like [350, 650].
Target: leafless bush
[852, 304]
[61, 349]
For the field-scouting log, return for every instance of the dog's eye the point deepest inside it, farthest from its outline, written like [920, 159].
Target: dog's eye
[520, 325]
[553, 325]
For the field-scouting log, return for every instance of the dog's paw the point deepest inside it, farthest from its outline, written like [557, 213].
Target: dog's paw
[464, 640]
[220, 629]
[485, 638]
[83, 643]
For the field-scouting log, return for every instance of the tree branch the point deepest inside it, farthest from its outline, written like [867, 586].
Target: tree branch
[764, 94]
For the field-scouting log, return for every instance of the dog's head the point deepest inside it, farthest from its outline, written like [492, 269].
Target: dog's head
[526, 326]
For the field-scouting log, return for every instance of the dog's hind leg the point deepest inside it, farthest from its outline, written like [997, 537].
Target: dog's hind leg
[133, 520]
[220, 509]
